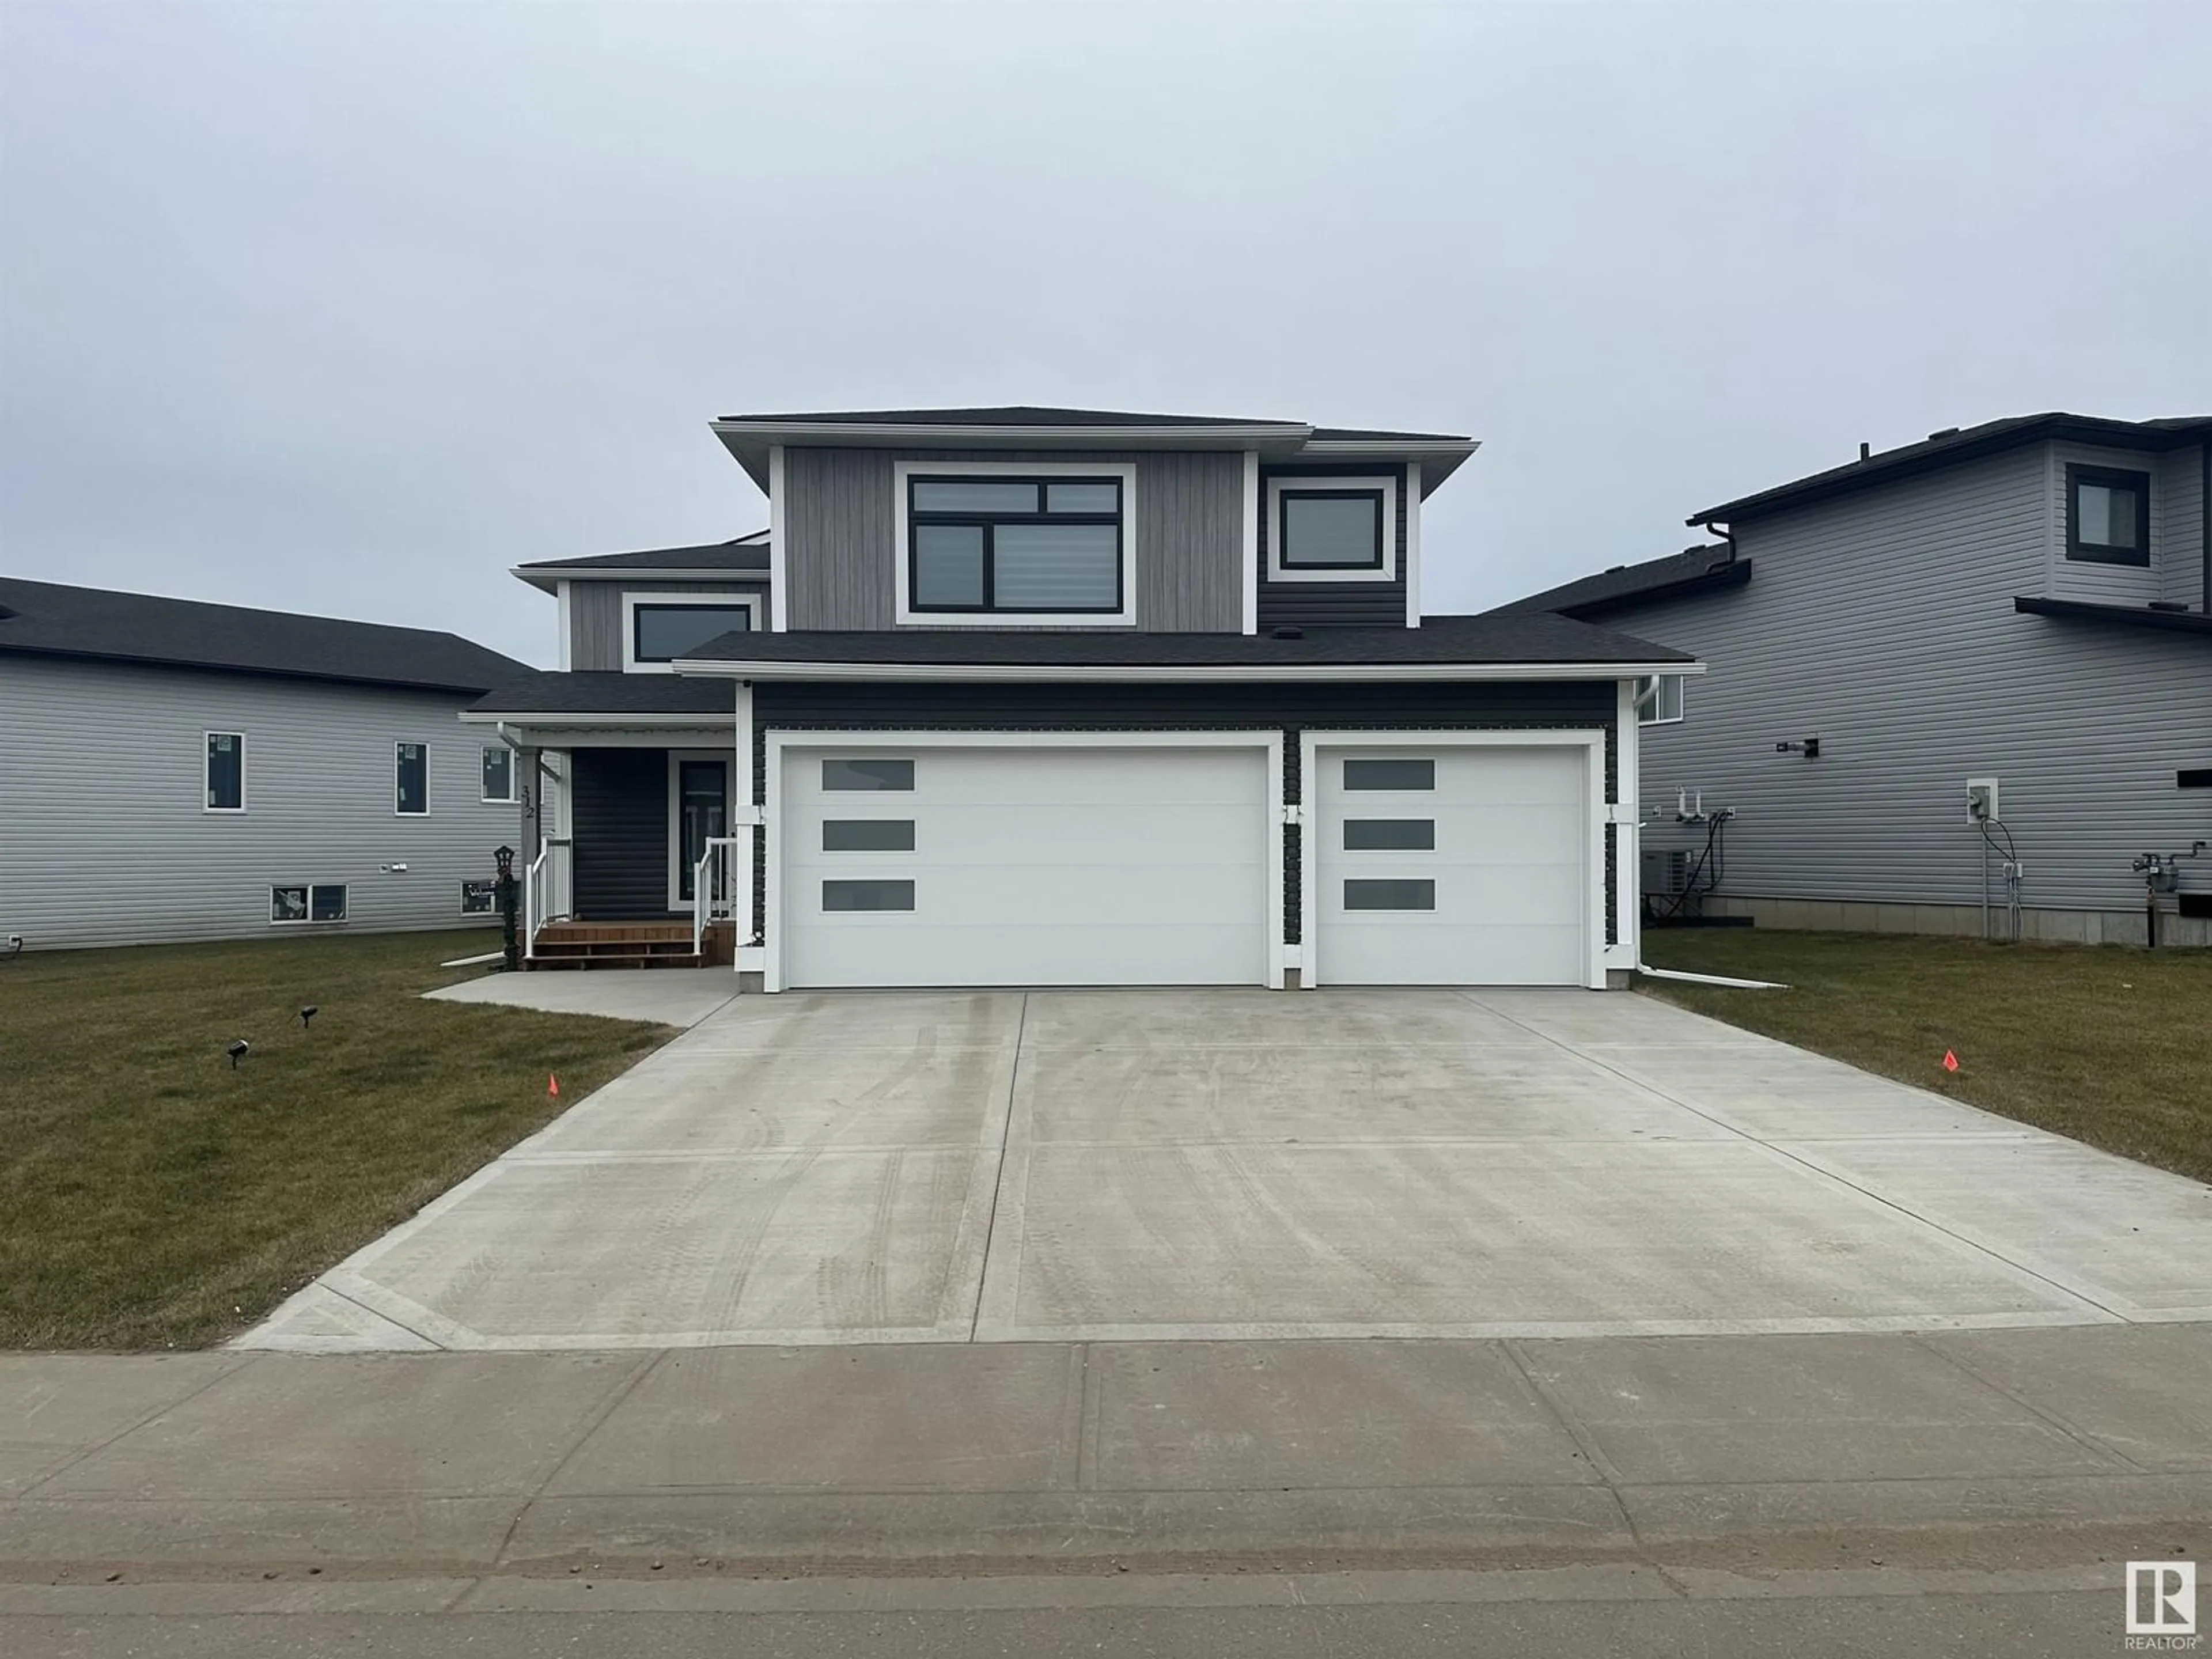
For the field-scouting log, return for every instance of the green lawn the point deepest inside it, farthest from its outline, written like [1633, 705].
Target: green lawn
[150, 1196]
[2110, 1045]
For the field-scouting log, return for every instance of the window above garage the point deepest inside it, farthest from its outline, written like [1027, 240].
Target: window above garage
[985, 543]
[1342, 529]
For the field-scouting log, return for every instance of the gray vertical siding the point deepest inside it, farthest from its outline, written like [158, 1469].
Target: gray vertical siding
[840, 530]
[2105, 584]
[1300, 603]
[103, 840]
[595, 615]
[2179, 485]
[1883, 624]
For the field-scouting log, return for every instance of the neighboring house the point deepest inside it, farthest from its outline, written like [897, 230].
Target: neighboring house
[1072, 697]
[2018, 608]
[185, 771]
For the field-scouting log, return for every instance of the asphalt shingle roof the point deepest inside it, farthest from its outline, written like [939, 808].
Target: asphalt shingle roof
[1960, 444]
[1537, 638]
[1690, 571]
[746, 554]
[1031, 415]
[595, 692]
[53, 619]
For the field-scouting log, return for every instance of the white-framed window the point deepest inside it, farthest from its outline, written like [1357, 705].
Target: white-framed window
[658, 628]
[410, 780]
[1659, 700]
[987, 543]
[296, 902]
[224, 772]
[1333, 529]
[498, 774]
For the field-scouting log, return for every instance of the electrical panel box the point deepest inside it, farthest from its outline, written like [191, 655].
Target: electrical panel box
[1982, 800]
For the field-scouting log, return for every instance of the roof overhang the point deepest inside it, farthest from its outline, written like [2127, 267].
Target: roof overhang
[2120, 616]
[1323, 673]
[750, 441]
[548, 580]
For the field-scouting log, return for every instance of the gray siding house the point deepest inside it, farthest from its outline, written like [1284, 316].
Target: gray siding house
[1051, 696]
[185, 771]
[2021, 608]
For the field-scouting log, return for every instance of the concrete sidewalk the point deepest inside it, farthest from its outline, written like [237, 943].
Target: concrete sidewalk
[1074, 1455]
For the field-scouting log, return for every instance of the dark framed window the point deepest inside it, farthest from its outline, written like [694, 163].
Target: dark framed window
[226, 772]
[1329, 529]
[498, 773]
[662, 633]
[2107, 515]
[868, 834]
[411, 779]
[1038, 545]
[867, 895]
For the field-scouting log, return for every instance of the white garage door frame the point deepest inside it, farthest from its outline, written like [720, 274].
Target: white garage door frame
[1269, 743]
[1591, 741]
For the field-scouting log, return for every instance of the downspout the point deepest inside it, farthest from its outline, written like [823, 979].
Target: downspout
[1710, 979]
[2204, 524]
[1727, 536]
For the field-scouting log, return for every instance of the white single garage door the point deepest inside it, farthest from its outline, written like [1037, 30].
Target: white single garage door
[1026, 865]
[1450, 866]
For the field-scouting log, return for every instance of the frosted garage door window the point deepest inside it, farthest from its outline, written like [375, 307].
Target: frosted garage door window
[868, 834]
[867, 895]
[1389, 775]
[1389, 835]
[1389, 894]
[838, 772]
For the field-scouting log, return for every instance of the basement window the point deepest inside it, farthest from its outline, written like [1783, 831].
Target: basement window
[2107, 515]
[306, 901]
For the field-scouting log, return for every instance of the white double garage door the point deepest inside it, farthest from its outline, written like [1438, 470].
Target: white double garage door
[1159, 859]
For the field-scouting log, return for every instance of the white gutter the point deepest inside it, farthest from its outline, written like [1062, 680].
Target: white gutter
[1127, 673]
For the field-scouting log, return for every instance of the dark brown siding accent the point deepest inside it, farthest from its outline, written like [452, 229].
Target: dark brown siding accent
[1290, 709]
[1300, 605]
[621, 824]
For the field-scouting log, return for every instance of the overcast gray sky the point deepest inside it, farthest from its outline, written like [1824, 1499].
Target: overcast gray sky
[349, 307]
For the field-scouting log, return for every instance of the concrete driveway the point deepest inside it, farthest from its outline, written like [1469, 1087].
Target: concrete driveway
[1098, 1166]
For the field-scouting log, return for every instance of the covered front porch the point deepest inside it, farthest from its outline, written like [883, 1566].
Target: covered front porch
[636, 836]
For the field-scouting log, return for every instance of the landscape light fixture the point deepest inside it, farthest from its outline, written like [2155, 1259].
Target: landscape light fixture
[237, 1052]
[307, 1014]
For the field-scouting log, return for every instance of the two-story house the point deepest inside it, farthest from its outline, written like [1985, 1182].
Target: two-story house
[1045, 697]
[1964, 686]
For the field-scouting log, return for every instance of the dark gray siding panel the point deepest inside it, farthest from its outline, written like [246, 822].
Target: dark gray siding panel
[840, 532]
[621, 827]
[1291, 709]
[595, 615]
[1298, 604]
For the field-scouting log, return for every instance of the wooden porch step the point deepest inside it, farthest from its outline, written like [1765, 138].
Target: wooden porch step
[616, 944]
[686, 958]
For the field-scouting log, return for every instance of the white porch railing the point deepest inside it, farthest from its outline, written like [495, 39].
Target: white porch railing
[722, 884]
[544, 892]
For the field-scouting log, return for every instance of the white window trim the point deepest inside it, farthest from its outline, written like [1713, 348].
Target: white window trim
[1270, 742]
[1297, 484]
[1591, 741]
[1648, 686]
[676, 759]
[514, 765]
[223, 812]
[398, 744]
[1074, 467]
[648, 597]
[309, 920]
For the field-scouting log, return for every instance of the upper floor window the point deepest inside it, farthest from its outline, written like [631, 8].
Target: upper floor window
[411, 779]
[2107, 515]
[226, 772]
[1658, 699]
[657, 629]
[1332, 529]
[1038, 544]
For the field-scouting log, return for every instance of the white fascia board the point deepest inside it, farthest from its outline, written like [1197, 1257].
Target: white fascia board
[639, 573]
[1140, 671]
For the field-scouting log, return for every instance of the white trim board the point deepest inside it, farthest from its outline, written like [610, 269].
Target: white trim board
[1590, 739]
[1319, 672]
[781, 739]
[645, 598]
[1075, 467]
[1300, 484]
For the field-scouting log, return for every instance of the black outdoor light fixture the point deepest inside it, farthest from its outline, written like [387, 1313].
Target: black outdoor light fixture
[307, 1014]
[237, 1052]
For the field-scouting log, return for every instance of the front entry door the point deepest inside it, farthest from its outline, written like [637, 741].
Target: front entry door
[702, 791]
